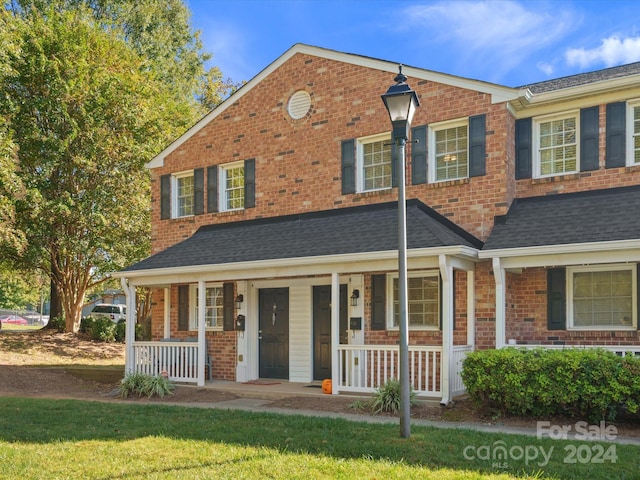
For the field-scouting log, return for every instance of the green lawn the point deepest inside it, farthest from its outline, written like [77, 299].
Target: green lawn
[56, 439]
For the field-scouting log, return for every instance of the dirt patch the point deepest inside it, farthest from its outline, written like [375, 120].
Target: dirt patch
[35, 364]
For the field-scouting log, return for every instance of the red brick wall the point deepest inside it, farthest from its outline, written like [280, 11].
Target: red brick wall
[298, 164]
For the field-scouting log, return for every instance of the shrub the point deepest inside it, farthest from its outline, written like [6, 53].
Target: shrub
[120, 331]
[588, 383]
[85, 324]
[102, 330]
[58, 324]
[143, 384]
[387, 397]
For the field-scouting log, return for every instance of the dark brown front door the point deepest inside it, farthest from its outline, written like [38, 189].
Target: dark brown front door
[322, 328]
[274, 333]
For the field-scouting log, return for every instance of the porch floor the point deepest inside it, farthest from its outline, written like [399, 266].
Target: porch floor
[278, 389]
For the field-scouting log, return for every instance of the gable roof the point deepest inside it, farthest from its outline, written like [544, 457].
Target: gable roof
[572, 218]
[370, 228]
[499, 93]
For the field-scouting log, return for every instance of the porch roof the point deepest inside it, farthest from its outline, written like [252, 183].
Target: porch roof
[598, 216]
[370, 228]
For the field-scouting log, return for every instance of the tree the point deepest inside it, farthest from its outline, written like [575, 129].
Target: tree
[87, 111]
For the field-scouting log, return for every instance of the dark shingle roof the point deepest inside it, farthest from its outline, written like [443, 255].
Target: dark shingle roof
[584, 217]
[368, 228]
[584, 78]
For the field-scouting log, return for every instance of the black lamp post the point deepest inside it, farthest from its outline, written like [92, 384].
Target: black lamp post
[401, 103]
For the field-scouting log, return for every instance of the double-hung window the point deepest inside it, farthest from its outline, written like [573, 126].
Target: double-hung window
[423, 290]
[183, 187]
[449, 150]
[556, 141]
[232, 186]
[213, 310]
[602, 297]
[633, 126]
[374, 160]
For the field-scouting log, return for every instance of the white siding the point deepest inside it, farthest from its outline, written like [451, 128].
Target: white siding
[300, 334]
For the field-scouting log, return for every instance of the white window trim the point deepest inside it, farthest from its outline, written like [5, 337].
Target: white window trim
[535, 141]
[631, 104]
[193, 301]
[222, 186]
[389, 300]
[431, 151]
[599, 268]
[379, 137]
[174, 192]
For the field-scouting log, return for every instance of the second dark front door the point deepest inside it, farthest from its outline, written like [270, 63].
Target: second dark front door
[274, 333]
[322, 328]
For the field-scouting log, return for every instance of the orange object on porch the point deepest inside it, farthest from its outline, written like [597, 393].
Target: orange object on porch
[327, 386]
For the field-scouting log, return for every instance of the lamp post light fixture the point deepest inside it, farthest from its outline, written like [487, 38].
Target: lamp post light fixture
[401, 103]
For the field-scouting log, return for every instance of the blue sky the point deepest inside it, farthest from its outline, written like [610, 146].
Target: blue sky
[509, 42]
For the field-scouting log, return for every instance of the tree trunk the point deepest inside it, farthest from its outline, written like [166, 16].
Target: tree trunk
[55, 306]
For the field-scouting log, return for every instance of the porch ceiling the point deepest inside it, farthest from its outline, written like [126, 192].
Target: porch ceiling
[593, 217]
[352, 230]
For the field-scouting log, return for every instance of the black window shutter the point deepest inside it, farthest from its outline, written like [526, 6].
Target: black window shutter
[556, 299]
[183, 308]
[228, 304]
[419, 155]
[165, 197]
[477, 145]
[378, 302]
[348, 166]
[198, 191]
[616, 126]
[212, 189]
[250, 183]
[523, 148]
[589, 138]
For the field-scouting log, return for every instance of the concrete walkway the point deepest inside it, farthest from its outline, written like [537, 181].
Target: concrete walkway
[257, 397]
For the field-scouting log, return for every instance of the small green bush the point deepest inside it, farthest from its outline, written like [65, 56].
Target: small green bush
[58, 324]
[587, 383]
[142, 384]
[387, 398]
[102, 330]
[120, 331]
[85, 324]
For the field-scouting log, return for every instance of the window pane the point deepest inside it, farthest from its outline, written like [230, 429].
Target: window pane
[376, 165]
[234, 188]
[603, 298]
[558, 146]
[213, 308]
[636, 134]
[185, 196]
[451, 153]
[424, 306]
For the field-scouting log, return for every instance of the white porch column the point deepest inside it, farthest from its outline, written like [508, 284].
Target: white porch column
[130, 330]
[335, 331]
[202, 344]
[448, 295]
[499, 275]
[167, 312]
[471, 308]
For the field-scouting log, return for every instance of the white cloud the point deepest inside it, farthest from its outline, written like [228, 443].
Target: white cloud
[501, 34]
[545, 68]
[612, 51]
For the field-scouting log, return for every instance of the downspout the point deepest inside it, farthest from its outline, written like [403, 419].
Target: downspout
[446, 273]
[335, 332]
[202, 342]
[498, 274]
[130, 330]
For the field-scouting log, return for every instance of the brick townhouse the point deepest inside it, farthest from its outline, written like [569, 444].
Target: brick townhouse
[275, 220]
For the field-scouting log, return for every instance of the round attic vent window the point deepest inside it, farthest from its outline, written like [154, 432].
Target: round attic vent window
[299, 104]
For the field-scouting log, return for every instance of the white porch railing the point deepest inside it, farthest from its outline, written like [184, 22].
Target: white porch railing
[364, 368]
[178, 359]
[458, 355]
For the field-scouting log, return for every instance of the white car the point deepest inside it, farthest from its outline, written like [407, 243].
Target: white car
[113, 312]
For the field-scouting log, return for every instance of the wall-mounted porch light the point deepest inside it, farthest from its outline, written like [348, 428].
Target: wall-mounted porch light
[354, 297]
[239, 300]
